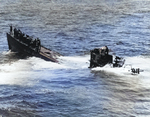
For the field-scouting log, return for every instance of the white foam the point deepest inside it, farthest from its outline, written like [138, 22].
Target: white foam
[75, 62]
[22, 72]
[39, 64]
[140, 62]
[15, 72]
[134, 62]
[25, 71]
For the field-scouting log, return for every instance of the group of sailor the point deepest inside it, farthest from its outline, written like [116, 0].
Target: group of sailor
[26, 39]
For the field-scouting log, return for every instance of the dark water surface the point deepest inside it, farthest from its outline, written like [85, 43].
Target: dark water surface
[33, 87]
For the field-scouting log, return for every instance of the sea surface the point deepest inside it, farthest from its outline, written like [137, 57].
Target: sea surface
[33, 87]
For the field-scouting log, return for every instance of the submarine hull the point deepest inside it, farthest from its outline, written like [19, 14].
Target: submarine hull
[15, 45]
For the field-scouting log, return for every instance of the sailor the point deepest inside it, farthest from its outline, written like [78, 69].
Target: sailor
[28, 40]
[34, 43]
[38, 43]
[10, 28]
[102, 51]
[15, 32]
[23, 37]
[106, 50]
[19, 34]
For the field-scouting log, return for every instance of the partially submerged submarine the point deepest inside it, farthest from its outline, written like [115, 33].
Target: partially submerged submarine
[28, 46]
[99, 57]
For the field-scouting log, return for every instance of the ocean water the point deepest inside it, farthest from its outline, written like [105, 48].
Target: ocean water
[33, 87]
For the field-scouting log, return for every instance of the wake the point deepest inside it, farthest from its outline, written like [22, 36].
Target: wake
[21, 71]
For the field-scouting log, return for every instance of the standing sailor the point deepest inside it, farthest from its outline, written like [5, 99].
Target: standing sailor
[10, 28]
[107, 50]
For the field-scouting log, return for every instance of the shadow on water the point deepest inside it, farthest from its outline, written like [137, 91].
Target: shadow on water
[9, 107]
[11, 57]
[12, 113]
